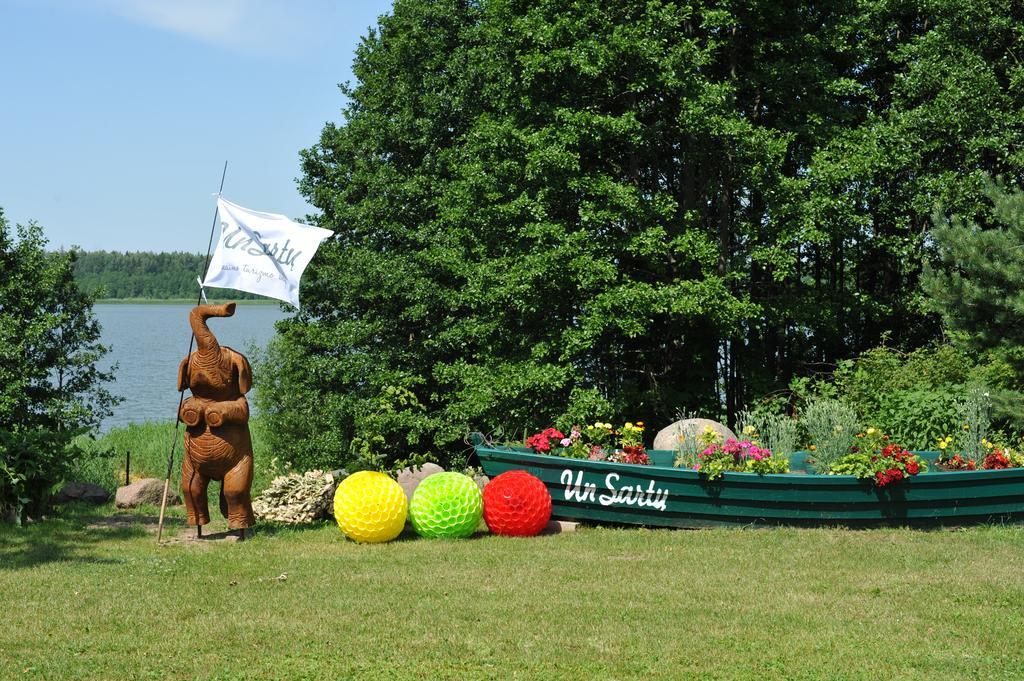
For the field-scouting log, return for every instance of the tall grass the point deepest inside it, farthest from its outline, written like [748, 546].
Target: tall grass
[149, 445]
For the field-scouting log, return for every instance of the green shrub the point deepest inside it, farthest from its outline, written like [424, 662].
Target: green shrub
[915, 397]
[831, 426]
[917, 418]
[779, 433]
[50, 387]
[974, 413]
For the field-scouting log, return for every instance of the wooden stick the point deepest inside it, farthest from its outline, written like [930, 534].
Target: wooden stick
[163, 507]
[181, 396]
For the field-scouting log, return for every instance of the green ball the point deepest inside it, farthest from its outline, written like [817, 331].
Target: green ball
[446, 505]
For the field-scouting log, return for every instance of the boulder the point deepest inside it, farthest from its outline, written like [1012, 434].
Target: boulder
[82, 491]
[145, 491]
[410, 478]
[668, 437]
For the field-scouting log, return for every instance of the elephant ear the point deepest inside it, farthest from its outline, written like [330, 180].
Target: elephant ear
[244, 372]
[182, 378]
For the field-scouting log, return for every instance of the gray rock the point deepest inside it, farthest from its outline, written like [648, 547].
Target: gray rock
[410, 478]
[668, 437]
[82, 491]
[481, 481]
[145, 491]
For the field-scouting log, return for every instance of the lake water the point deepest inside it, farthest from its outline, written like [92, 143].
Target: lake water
[149, 341]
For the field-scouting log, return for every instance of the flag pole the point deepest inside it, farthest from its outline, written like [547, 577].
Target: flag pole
[191, 344]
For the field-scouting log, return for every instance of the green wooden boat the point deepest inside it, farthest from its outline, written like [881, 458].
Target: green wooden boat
[664, 496]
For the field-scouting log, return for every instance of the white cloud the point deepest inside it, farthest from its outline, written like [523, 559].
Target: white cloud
[249, 26]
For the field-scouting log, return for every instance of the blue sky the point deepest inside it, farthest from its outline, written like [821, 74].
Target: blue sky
[116, 116]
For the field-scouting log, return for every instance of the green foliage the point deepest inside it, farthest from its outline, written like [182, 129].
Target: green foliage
[914, 397]
[776, 463]
[917, 418]
[974, 412]
[977, 286]
[857, 464]
[549, 211]
[831, 426]
[146, 275]
[879, 461]
[50, 386]
[779, 433]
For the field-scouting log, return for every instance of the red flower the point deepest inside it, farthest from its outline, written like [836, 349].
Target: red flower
[636, 455]
[543, 441]
[913, 468]
[995, 460]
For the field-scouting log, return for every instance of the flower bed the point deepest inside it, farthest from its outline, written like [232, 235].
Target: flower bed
[598, 442]
[739, 457]
[872, 456]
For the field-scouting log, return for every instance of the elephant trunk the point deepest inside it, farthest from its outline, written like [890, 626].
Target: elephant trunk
[205, 340]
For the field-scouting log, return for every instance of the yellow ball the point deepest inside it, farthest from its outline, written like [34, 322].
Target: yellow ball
[370, 507]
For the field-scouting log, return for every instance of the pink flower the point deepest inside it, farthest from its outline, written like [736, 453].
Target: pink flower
[565, 442]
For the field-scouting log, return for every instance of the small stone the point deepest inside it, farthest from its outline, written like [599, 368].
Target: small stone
[668, 437]
[481, 481]
[559, 527]
[145, 491]
[410, 478]
[82, 491]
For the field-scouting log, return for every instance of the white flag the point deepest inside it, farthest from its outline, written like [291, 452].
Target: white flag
[262, 253]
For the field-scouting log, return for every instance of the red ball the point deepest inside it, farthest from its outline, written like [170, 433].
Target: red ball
[516, 504]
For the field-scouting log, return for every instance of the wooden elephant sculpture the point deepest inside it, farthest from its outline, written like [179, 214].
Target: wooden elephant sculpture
[218, 445]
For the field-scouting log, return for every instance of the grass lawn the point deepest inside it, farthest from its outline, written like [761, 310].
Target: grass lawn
[88, 597]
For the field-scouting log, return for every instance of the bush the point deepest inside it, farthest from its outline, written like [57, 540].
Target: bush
[50, 388]
[916, 397]
[831, 426]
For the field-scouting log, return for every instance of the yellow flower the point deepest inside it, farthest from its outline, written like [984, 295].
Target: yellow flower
[640, 425]
[748, 430]
[871, 431]
[813, 448]
[628, 426]
[943, 444]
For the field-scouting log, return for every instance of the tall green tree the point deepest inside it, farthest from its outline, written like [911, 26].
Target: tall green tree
[978, 286]
[561, 211]
[51, 387]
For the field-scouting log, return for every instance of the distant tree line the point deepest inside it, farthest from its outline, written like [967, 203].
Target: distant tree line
[144, 274]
